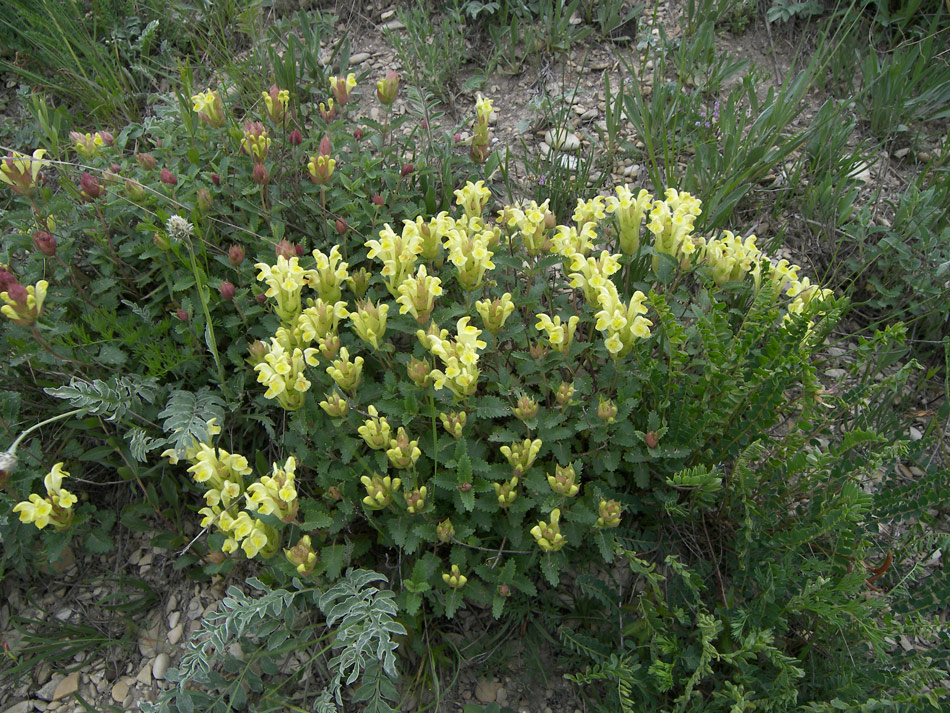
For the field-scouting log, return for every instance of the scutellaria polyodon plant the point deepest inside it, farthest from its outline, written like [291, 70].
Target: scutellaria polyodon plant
[533, 426]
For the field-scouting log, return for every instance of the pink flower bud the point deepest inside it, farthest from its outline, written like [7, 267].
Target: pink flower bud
[227, 291]
[261, 299]
[377, 199]
[325, 146]
[216, 179]
[285, 249]
[167, 177]
[260, 175]
[407, 169]
[89, 187]
[45, 242]
[18, 293]
[357, 134]
[341, 226]
[458, 138]
[182, 315]
[6, 279]
[235, 255]
[146, 161]
[295, 138]
[299, 250]
[107, 138]
[425, 123]
[652, 439]
[115, 167]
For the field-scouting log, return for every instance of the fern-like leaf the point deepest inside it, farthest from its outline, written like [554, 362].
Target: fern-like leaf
[188, 415]
[112, 399]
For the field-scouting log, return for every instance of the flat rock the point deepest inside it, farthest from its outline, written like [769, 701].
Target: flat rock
[145, 675]
[120, 691]
[394, 25]
[486, 691]
[67, 686]
[174, 636]
[21, 707]
[358, 58]
[49, 689]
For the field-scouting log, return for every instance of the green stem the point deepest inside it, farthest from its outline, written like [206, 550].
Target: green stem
[11, 451]
[209, 326]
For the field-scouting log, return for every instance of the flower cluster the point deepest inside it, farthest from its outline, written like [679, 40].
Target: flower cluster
[630, 213]
[459, 357]
[209, 108]
[89, 145]
[397, 253]
[281, 370]
[275, 103]
[417, 295]
[275, 494]
[223, 474]
[483, 112]
[22, 172]
[23, 305]
[284, 282]
[55, 509]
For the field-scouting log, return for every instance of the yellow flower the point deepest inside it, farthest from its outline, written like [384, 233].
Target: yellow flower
[346, 373]
[21, 172]
[375, 430]
[417, 295]
[369, 322]
[548, 534]
[328, 276]
[209, 107]
[495, 312]
[454, 578]
[284, 282]
[36, 510]
[472, 197]
[521, 456]
[560, 336]
[379, 490]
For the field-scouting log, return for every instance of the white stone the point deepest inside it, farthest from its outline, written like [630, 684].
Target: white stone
[174, 636]
[160, 666]
[631, 171]
[567, 162]
[173, 619]
[393, 25]
[915, 435]
[359, 58]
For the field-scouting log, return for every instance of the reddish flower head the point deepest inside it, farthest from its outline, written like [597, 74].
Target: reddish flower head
[45, 242]
[89, 187]
[168, 178]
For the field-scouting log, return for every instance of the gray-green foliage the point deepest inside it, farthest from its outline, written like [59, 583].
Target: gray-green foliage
[364, 613]
[234, 660]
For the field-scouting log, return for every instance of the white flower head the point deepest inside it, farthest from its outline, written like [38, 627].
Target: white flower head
[178, 228]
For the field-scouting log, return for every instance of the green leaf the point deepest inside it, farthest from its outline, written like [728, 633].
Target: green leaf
[332, 557]
[549, 567]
